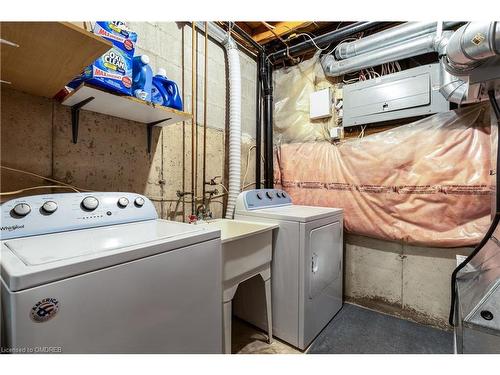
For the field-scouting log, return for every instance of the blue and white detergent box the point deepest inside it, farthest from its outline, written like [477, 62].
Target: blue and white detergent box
[113, 70]
[118, 33]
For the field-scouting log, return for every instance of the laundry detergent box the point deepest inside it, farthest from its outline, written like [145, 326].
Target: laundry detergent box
[111, 71]
[118, 33]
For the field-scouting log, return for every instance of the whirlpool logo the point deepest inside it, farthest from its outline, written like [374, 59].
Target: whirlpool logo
[44, 309]
[11, 228]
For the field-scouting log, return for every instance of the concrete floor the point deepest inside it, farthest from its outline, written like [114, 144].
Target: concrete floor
[354, 330]
[247, 339]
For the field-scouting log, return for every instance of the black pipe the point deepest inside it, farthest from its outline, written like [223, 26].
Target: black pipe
[324, 40]
[258, 125]
[494, 223]
[268, 125]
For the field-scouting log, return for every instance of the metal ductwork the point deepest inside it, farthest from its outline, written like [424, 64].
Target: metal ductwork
[471, 45]
[394, 35]
[461, 52]
[413, 47]
[454, 89]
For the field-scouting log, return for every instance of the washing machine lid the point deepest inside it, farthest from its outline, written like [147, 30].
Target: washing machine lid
[294, 213]
[31, 261]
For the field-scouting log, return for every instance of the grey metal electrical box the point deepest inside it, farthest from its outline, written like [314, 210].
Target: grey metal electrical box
[411, 92]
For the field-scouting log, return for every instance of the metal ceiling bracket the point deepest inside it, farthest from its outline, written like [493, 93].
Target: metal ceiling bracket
[75, 117]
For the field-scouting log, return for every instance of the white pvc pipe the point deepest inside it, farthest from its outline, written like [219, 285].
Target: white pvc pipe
[233, 58]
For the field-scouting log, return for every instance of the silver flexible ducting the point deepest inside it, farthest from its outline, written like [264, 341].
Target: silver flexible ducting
[394, 35]
[461, 52]
[413, 47]
[471, 45]
[454, 89]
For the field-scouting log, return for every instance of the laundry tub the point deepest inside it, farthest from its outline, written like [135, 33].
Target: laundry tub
[246, 252]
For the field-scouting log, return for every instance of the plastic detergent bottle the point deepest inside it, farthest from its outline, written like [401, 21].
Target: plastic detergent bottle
[165, 91]
[142, 80]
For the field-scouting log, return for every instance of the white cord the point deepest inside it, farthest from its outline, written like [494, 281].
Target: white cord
[312, 40]
[222, 186]
[248, 164]
[362, 133]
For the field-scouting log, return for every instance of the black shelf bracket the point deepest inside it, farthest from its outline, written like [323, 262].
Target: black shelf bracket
[75, 117]
[150, 132]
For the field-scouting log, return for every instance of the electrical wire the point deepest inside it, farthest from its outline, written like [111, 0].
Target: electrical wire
[362, 132]
[248, 164]
[292, 36]
[250, 184]
[37, 187]
[43, 178]
[223, 187]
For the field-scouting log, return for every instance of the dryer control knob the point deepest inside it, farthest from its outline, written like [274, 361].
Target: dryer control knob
[270, 194]
[22, 209]
[139, 201]
[259, 196]
[90, 203]
[49, 207]
[122, 202]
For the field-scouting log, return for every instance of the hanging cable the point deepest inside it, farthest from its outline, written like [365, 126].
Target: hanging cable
[78, 189]
[37, 187]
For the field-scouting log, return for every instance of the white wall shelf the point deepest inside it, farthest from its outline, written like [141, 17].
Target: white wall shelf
[97, 100]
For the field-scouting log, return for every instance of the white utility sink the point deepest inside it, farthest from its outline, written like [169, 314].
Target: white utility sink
[246, 252]
[246, 246]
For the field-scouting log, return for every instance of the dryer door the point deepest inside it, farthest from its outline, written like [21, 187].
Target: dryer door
[326, 257]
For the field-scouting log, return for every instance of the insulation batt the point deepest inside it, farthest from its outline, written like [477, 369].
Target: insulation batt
[426, 183]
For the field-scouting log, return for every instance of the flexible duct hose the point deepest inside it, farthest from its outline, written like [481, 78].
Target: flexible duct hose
[234, 126]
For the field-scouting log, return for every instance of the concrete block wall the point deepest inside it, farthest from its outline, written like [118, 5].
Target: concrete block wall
[412, 282]
[111, 152]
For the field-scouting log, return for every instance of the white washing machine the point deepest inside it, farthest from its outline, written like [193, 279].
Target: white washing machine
[100, 273]
[306, 266]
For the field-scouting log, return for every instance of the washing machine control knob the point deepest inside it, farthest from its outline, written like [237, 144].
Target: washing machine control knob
[90, 203]
[22, 209]
[49, 207]
[270, 194]
[139, 201]
[122, 202]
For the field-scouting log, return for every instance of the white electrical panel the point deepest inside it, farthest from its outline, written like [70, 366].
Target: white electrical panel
[320, 104]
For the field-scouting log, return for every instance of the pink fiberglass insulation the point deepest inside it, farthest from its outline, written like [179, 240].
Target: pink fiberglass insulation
[426, 183]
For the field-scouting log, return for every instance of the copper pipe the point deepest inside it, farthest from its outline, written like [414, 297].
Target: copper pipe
[183, 134]
[193, 110]
[196, 120]
[205, 84]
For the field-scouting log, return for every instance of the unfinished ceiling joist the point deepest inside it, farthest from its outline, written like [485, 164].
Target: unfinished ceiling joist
[269, 31]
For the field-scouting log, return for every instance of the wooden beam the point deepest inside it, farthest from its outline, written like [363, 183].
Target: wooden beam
[247, 28]
[280, 28]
